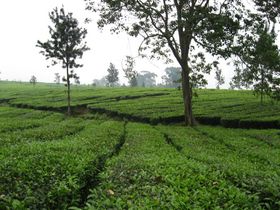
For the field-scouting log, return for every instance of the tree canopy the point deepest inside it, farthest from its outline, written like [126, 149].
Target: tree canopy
[270, 8]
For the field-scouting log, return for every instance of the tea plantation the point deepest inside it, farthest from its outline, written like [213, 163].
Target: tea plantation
[127, 148]
[150, 105]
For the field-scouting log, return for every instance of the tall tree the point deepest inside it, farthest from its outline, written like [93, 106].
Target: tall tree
[65, 45]
[237, 80]
[113, 75]
[177, 27]
[129, 71]
[219, 78]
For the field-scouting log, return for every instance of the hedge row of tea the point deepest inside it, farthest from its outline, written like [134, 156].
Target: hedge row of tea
[49, 161]
[173, 167]
[153, 105]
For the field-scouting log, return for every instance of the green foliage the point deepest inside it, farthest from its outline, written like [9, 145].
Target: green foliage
[43, 166]
[247, 163]
[157, 105]
[66, 42]
[206, 174]
[52, 161]
[198, 68]
[261, 61]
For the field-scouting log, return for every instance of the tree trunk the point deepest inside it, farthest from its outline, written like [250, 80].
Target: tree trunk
[68, 92]
[187, 97]
[262, 86]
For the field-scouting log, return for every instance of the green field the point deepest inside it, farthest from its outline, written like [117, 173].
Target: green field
[119, 152]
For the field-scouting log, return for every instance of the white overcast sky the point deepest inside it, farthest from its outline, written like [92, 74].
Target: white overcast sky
[25, 22]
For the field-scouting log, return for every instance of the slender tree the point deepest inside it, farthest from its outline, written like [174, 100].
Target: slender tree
[219, 78]
[129, 71]
[113, 75]
[65, 45]
[236, 81]
[177, 27]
